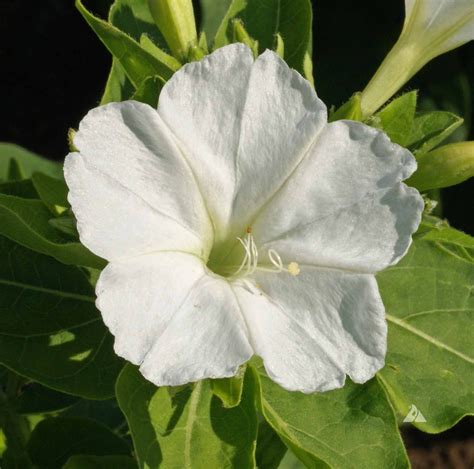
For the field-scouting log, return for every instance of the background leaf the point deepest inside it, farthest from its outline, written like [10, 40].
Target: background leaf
[431, 128]
[190, 428]
[350, 427]
[136, 62]
[26, 221]
[54, 440]
[28, 162]
[100, 462]
[50, 330]
[429, 361]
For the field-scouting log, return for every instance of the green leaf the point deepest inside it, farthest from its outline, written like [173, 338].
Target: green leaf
[432, 128]
[263, 19]
[36, 399]
[100, 462]
[28, 162]
[54, 440]
[106, 412]
[24, 189]
[136, 62]
[133, 17]
[149, 91]
[118, 87]
[160, 55]
[346, 428]
[292, 19]
[270, 448]
[213, 13]
[53, 192]
[14, 172]
[429, 362]
[67, 225]
[229, 390]
[397, 118]
[178, 431]
[230, 8]
[50, 330]
[26, 221]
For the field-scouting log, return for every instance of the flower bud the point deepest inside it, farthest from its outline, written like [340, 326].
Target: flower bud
[175, 20]
[431, 28]
[446, 166]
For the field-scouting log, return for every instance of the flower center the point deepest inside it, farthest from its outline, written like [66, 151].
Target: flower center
[250, 262]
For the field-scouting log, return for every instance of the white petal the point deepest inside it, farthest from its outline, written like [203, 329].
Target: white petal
[130, 188]
[243, 126]
[345, 205]
[439, 24]
[169, 314]
[313, 329]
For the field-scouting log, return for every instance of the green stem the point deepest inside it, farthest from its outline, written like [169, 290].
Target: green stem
[15, 426]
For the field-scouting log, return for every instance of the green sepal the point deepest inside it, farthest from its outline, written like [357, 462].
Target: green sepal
[53, 192]
[279, 46]
[444, 167]
[14, 172]
[240, 34]
[349, 110]
[170, 61]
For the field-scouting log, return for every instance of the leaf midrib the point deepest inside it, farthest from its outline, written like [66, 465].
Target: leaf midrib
[50, 291]
[428, 338]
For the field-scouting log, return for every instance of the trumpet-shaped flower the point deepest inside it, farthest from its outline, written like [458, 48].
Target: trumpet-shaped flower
[237, 221]
[431, 28]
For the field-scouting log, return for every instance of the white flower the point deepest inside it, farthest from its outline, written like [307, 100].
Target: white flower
[238, 222]
[431, 28]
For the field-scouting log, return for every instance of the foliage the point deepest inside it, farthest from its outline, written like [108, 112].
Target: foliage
[66, 399]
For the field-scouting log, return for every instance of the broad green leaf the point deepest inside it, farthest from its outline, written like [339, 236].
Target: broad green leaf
[24, 189]
[192, 429]
[397, 118]
[14, 172]
[352, 427]
[28, 162]
[149, 91]
[52, 191]
[50, 330]
[212, 14]
[232, 8]
[430, 361]
[26, 221]
[290, 461]
[229, 390]
[136, 62]
[67, 225]
[106, 412]
[292, 19]
[100, 462]
[55, 440]
[431, 128]
[36, 399]
[263, 19]
[270, 448]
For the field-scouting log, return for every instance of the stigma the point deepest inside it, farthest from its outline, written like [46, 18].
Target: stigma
[250, 262]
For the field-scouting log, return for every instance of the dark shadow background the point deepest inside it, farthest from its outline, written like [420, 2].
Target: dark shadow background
[53, 70]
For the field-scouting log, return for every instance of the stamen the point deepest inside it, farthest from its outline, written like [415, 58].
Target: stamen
[250, 260]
